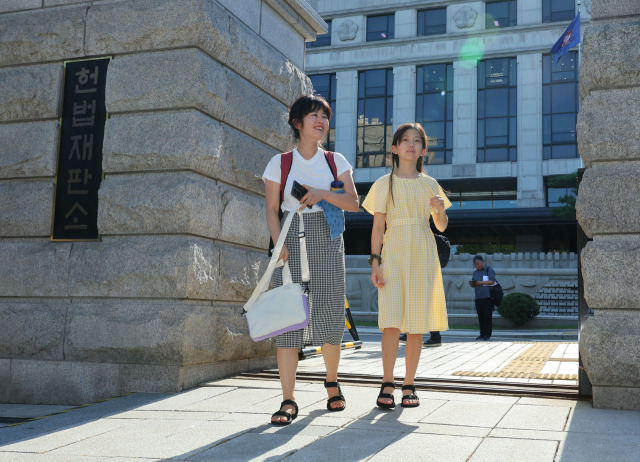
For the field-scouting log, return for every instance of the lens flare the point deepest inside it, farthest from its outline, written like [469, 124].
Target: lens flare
[471, 52]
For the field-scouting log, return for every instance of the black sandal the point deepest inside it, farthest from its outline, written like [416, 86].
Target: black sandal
[290, 418]
[411, 396]
[386, 396]
[338, 397]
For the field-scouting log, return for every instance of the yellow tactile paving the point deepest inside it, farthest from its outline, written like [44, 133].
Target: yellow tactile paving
[528, 365]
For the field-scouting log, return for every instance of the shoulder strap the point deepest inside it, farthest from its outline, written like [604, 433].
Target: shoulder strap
[286, 160]
[328, 155]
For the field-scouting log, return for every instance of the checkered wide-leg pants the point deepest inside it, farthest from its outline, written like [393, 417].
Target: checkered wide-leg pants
[326, 285]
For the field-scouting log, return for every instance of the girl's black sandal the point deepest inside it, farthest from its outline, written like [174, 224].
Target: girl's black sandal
[290, 418]
[411, 396]
[339, 397]
[386, 396]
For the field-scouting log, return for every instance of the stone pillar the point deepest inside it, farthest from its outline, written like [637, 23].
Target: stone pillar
[609, 200]
[197, 93]
[529, 165]
[406, 23]
[404, 95]
[347, 114]
[465, 119]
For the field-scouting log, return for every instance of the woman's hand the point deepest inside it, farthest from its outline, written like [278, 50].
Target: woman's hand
[376, 275]
[284, 255]
[313, 196]
[438, 203]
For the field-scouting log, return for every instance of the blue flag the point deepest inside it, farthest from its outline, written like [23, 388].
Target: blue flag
[569, 39]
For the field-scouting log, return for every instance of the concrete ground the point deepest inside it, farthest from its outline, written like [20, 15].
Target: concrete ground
[228, 420]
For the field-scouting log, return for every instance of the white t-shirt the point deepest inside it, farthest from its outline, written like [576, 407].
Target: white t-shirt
[314, 172]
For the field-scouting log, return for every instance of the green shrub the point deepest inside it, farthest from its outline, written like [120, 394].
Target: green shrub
[518, 308]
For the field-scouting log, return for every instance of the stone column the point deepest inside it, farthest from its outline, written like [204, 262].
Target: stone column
[406, 23]
[609, 200]
[404, 95]
[197, 93]
[347, 114]
[530, 183]
[465, 119]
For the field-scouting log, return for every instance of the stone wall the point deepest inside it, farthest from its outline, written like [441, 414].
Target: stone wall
[608, 201]
[197, 92]
[551, 278]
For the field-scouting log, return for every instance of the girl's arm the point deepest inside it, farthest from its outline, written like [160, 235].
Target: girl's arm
[440, 219]
[377, 233]
[347, 201]
[272, 198]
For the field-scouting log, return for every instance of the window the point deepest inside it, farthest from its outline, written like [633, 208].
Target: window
[322, 40]
[557, 10]
[561, 190]
[432, 22]
[375, 112]
[485, 193]
[497, 110]
[560, 103]
[500, 14]
[380, 27]
[434, 109]
[325, 86]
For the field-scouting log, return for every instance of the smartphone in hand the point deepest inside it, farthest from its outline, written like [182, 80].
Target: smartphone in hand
[298, 191]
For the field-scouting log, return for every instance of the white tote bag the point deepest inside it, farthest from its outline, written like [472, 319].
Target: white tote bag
[285, 308]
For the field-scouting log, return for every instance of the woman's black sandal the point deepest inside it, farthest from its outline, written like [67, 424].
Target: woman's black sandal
[290, 418]
[386, 396]
[411, 396]
[339, 397]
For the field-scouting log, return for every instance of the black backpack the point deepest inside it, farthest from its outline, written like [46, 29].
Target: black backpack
[496, 292]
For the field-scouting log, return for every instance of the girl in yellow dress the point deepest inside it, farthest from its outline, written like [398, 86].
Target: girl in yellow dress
[407, 272]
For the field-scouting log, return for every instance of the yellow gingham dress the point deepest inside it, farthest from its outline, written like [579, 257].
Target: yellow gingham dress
[412, 298]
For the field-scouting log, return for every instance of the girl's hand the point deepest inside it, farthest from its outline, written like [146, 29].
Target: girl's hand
[376, 276]
[438, 203]
[313, 196]
[284, 255]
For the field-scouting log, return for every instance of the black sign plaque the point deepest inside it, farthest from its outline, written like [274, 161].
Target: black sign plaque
[75, 215]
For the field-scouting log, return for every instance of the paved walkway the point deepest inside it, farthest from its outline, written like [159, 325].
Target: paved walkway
[227, 420]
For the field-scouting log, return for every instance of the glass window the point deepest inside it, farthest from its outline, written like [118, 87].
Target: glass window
[322, 40]
[560, 104]
[375, 117]
[486, 193]
[500, 14]
[380, 27]
[434, 109]
[432, 22]
[558, 10]
[325, 86]
[497, 110]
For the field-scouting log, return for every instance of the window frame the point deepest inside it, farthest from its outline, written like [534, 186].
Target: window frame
[548, 113]
[446, 152]
[375, 158]
[549, 16]
[422, 24]
[387, 34]
[511, 117]
[512, 15]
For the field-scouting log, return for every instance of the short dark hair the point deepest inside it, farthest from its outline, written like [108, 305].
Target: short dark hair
[305, 105]
[478, 257]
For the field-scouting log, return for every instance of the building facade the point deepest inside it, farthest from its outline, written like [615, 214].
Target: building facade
[499, 113]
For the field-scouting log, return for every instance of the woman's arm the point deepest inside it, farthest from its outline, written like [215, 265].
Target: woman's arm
[377, 233]
[347, 201]
[272, 198]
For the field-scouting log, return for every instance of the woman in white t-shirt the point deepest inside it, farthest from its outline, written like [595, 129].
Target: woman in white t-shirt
[309, 118]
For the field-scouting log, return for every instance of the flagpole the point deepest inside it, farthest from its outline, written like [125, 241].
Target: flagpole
[580, 42]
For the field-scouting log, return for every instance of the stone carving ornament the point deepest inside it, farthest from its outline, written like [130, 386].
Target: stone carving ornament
[347, 30]
[465, 17]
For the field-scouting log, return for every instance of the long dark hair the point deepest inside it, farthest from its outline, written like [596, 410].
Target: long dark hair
[395, 159]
